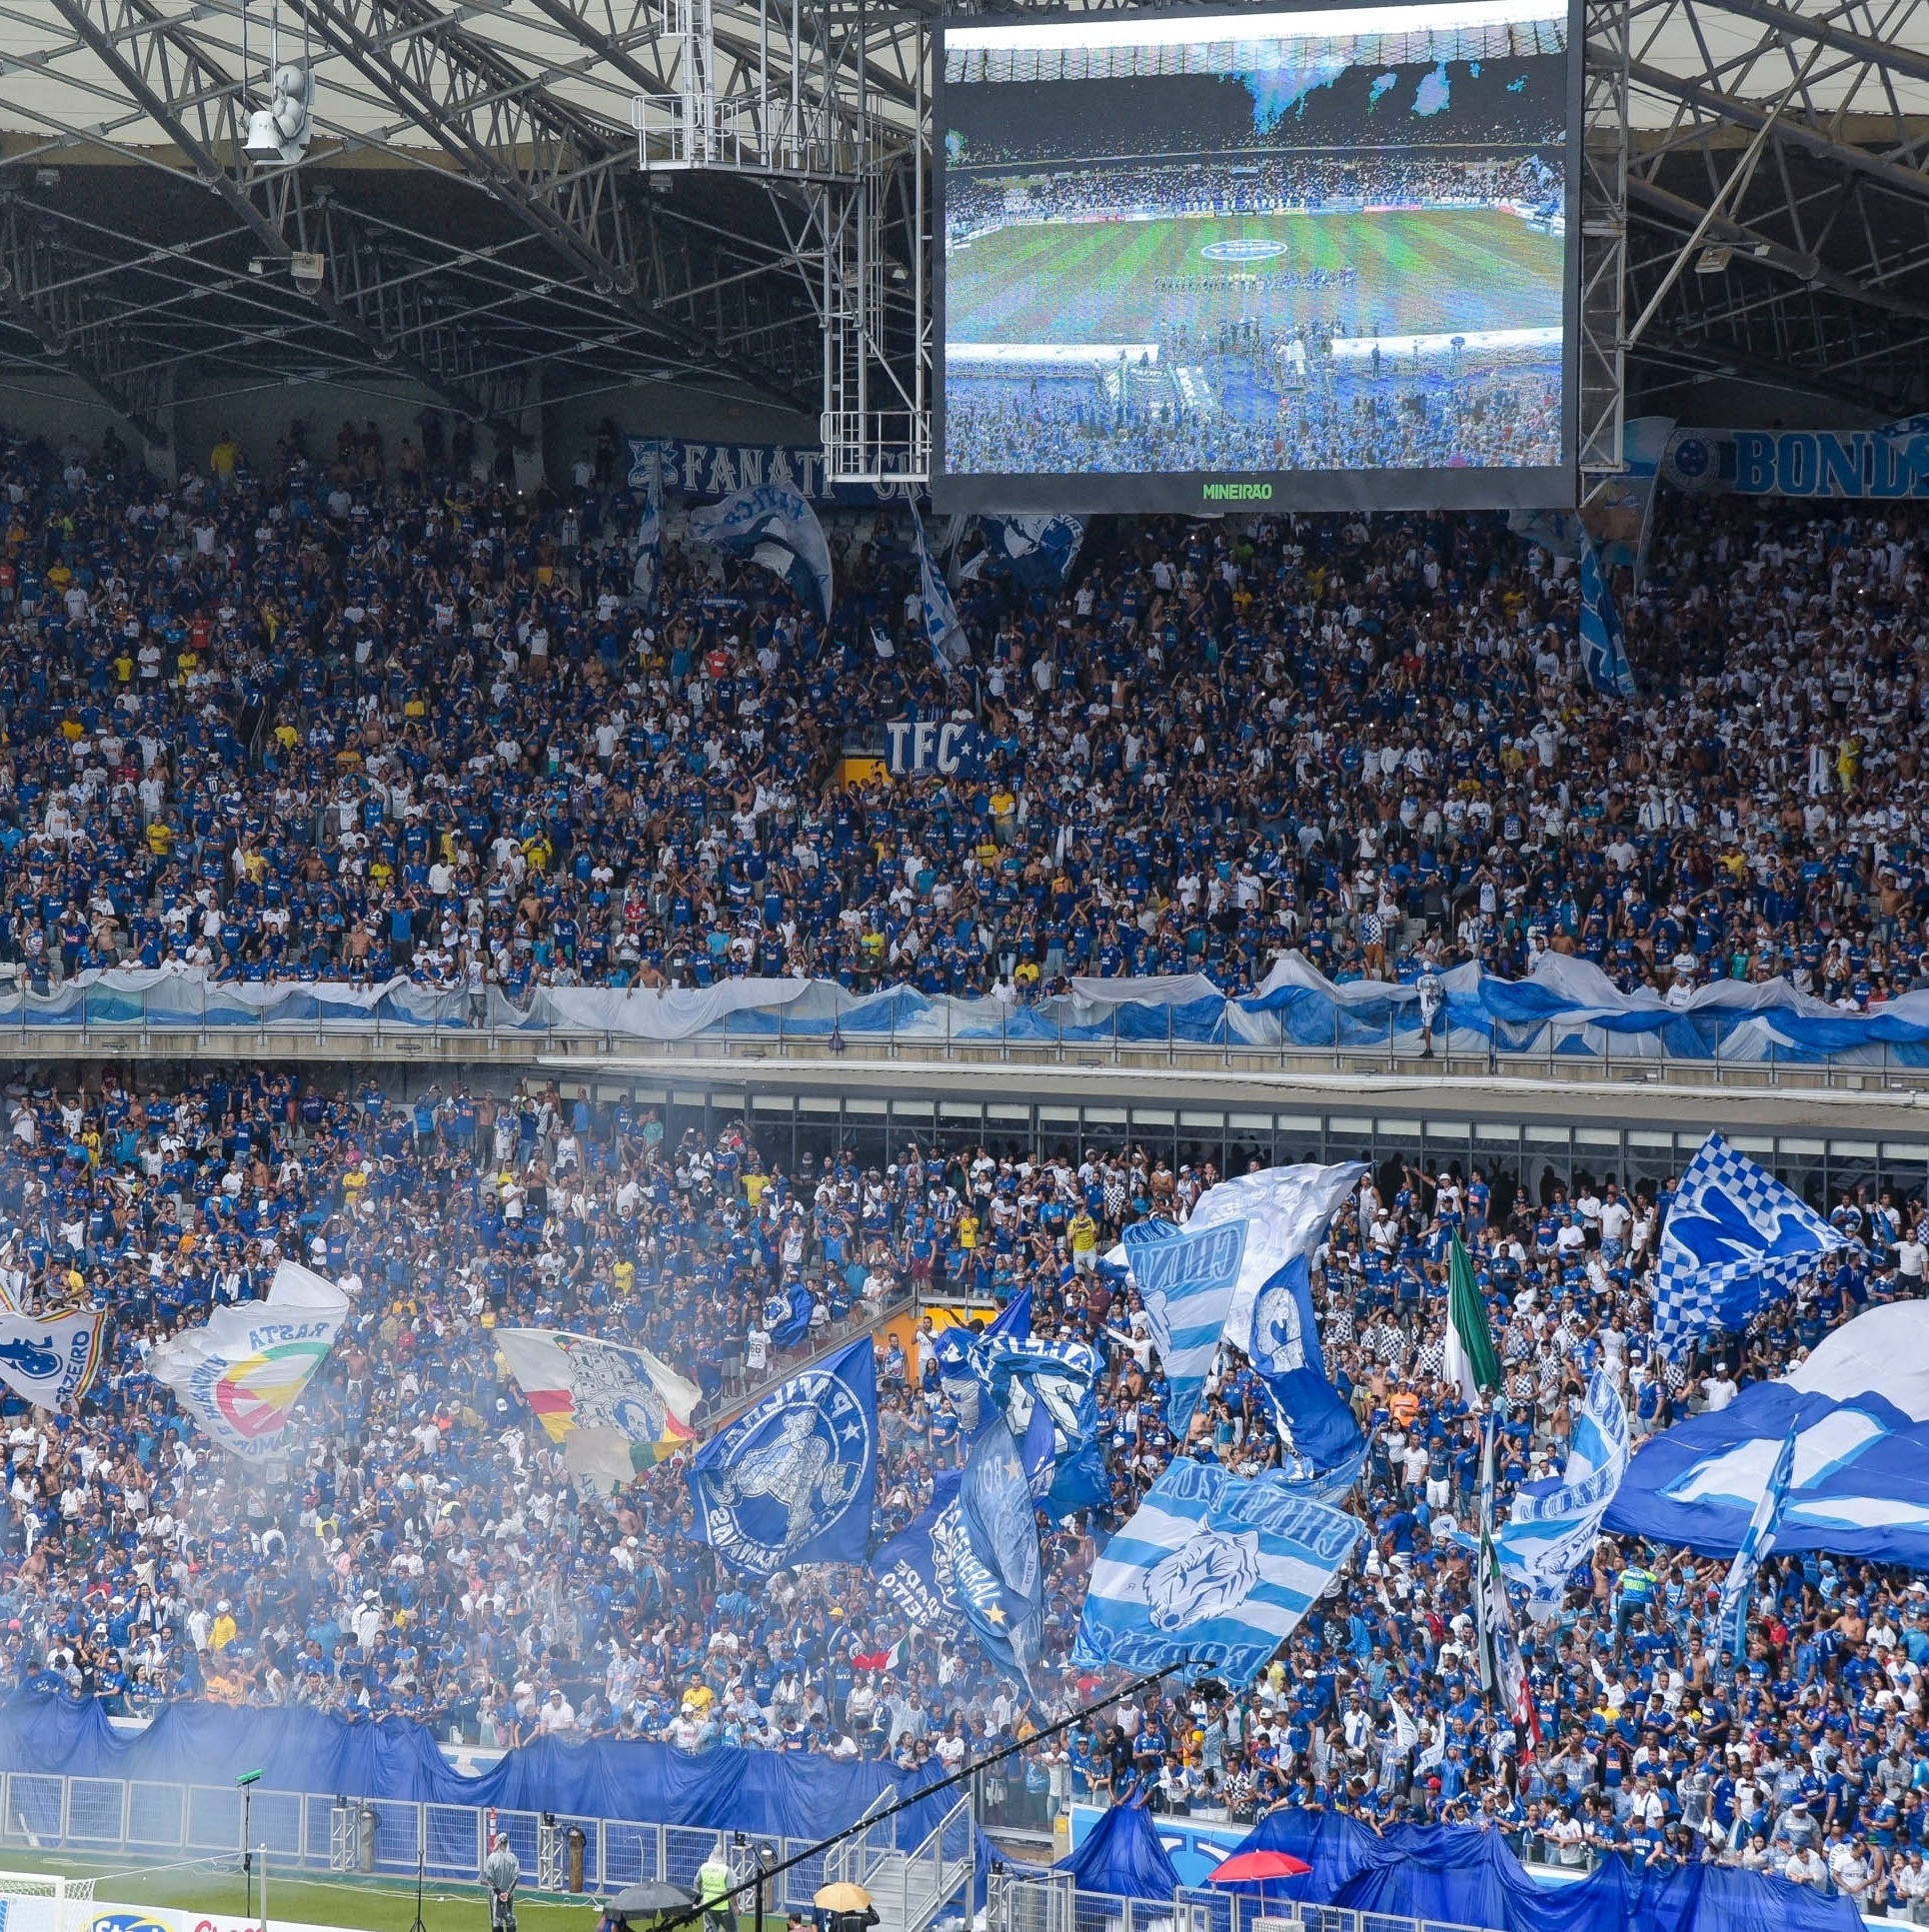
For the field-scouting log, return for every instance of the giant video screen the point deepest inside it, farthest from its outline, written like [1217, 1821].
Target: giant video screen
[1318, 258]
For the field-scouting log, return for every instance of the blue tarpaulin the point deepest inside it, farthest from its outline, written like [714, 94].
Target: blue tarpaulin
[1123, 1856]
[1466, 1876]
[771, 1793]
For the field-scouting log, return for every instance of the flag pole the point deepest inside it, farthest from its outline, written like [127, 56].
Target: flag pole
[969, 1772]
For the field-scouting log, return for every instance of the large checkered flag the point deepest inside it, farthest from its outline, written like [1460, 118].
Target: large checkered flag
[1735, 1240]
[1757, 1545]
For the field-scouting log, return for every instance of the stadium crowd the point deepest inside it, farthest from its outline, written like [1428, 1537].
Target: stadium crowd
[978, 199]
[425, 1555]
[1283, 403]
[324, 719]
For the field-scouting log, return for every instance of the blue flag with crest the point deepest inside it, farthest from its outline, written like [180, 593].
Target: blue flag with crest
[937, 614]
[1735, 1240]
[1186, 1280]
[1286, 1211]
[1021, 1372]
[771, 525]
[914, 1568]
[957, 1373]
[1039, 551]
[794, 1479]
[789, 1317]
[995, 1563]
[1553, 1524]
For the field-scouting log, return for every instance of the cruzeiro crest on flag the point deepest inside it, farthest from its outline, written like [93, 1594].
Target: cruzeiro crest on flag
[787, 1471]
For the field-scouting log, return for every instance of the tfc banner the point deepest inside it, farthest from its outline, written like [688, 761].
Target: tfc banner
[1211, 1569]
[1187, 1280]
[242, 1371]
[793, 1479]
[917, 747]
[50, 1361]
[1552, 1527]
[615, 1411]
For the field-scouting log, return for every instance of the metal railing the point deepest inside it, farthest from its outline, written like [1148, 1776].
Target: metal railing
[915, 1888]
[382, 1837]
[1023, 1904]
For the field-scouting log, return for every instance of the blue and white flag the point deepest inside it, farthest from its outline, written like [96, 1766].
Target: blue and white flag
[1735, 1240]
[1039, 551]
[957, 1373]
[938, 615]
[1558, 532]
[1859, 1408]
[1305, 1478]
[1757, 1545]
[1603, 647]
[790, 1316]
[1554, 1525]
[1018, 1371]
[914, 1569]
[1286, 1211]
[642, 578]
[995, 1564]
[1186, 1280]
[772, 526]
[793, 1479]
[1212, 1569]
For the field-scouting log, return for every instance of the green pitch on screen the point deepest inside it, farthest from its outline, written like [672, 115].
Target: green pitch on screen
[1420, 270]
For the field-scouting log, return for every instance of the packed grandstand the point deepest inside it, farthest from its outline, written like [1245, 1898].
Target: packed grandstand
[347, 712]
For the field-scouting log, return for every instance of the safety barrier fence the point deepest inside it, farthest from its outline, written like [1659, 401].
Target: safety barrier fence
[393, 1838]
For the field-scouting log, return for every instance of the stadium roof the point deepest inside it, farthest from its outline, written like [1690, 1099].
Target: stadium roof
[473, 188]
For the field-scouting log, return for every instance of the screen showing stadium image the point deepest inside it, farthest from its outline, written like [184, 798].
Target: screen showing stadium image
[1309, 258]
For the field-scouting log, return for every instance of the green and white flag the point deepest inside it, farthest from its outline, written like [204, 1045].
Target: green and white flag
[1470, 1357]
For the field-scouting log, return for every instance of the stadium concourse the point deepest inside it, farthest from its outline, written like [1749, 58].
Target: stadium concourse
[480, 762]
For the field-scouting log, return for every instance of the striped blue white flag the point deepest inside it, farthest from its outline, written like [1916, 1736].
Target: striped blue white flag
[1212, 1569]
[1185, 1279]
[1554, 1525]
[1757, 1545]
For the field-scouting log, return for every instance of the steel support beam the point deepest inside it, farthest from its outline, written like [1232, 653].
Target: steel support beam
[561, 171]
[47, 290]
[182, 89]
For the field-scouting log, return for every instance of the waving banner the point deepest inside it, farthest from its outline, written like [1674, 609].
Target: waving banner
[615, 1411]
[1554, 1524]
[242, 1371]
[50, 1361]
[1212, 1569]
[1186, 1280]
[1734, 1238]
[794, 1479]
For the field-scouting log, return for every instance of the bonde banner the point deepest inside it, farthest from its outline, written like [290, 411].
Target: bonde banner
[1852, 466]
